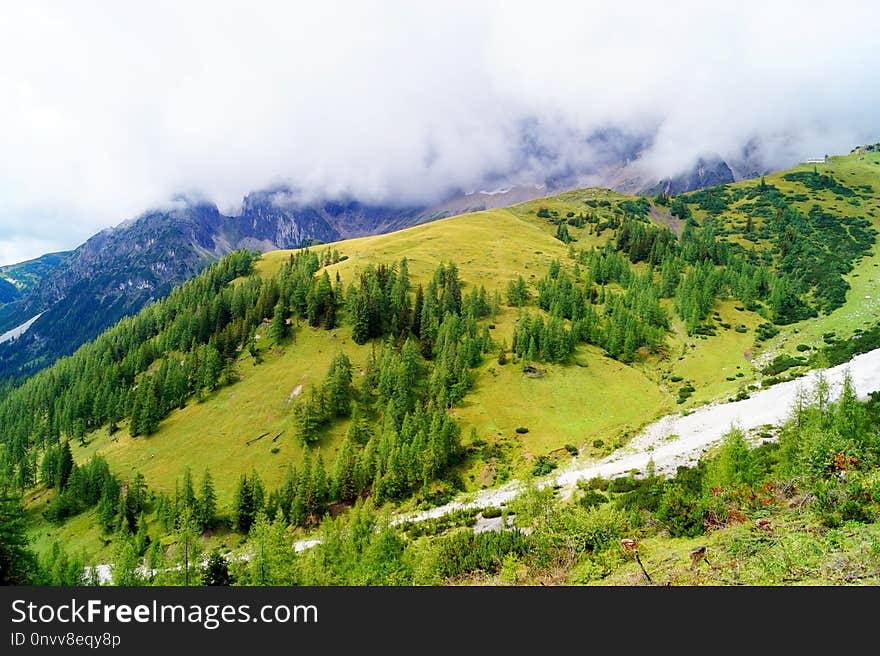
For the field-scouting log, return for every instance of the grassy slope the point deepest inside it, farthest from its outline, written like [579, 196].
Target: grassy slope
[575, 404]
[862, 305]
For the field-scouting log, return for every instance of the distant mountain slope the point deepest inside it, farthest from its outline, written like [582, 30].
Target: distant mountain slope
[119, 270]
[17, 279]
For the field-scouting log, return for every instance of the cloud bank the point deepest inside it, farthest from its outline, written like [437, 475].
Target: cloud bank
[111, 108]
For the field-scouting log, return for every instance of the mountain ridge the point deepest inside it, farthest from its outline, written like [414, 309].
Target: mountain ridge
[121, 269]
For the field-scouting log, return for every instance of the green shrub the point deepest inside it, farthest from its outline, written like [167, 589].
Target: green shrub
[676, 379]
[803, 347]
[572, 449]
[765, 331]
[464, 551]
[491, 512]
[543, 465]
[622, 484]
[782, 362]
[598, 443]
[522, 430]
[592, 498]
[680, 511]
[595, 483]
[579, 530]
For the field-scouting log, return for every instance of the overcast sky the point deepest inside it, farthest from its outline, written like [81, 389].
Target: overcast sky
[108, 108]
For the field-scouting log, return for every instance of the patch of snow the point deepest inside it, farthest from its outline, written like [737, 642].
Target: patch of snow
[18, 331]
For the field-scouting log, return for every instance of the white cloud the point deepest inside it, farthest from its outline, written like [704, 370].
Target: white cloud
[110, 108]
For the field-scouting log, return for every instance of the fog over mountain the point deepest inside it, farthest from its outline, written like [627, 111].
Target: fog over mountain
[112, 109]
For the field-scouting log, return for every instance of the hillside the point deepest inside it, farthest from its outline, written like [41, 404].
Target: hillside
[646, 307]
[121, 269]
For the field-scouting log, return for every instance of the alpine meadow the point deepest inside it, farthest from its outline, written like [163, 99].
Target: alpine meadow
[401, 408]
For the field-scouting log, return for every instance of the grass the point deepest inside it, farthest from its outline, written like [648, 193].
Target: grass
[213, 434]
[707, 363]
[570, 404]
[793, 552]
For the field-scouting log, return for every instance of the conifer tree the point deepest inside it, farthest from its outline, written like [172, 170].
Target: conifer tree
[278, 328]
[207, 503]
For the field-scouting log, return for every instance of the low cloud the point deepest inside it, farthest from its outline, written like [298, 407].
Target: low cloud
[110, 109]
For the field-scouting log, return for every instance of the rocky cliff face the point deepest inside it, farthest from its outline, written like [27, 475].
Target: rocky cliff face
[705, 173]
[121, 269]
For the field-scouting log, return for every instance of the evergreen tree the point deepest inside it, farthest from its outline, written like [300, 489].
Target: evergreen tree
[278, 328]
[216, 570]
[207, 503]
[18, 565]
[344, 484]
[188, 547]
[338, 386]
[244, 505]
[107, 511]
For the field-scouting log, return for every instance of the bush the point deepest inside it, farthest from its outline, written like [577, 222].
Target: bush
[765, 331]
[572, 449]
[595, 483]
[598, 444]
[680, 512]
[491, 512]
[803, 347]
[782, 363]
[543, 466]
[522, 430]
[465, 551]
[592, 498]
[622, 484]
[571, 531]
[676, 379]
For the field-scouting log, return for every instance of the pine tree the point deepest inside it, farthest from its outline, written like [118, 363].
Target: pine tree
[64, 466]
[141, 537]
[187, 492]
[188, 547]
[106, 511]
[319, 483]
[244, 506]
[309, 416]
[344, 488]
[18, 565]
[278, 328]
[207, 504]
[338, 386]
[216, 570]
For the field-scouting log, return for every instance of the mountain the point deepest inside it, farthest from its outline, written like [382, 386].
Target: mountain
[705, 173]
[121, 269]
[373, 369]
